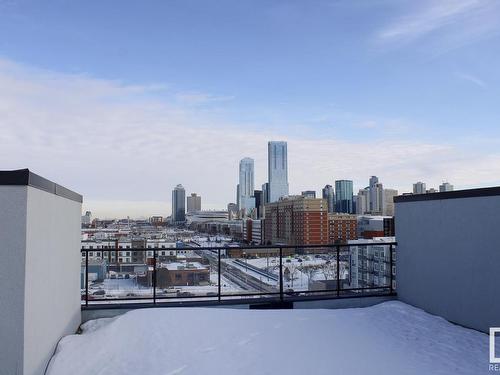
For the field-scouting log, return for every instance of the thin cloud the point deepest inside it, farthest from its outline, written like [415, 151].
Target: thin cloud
[470, 78]
[127, 152]
[454, 22]
[200, 98]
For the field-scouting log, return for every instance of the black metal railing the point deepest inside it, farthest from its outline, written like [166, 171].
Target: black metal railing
[227, 273]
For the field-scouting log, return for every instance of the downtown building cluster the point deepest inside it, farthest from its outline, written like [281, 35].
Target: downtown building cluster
[271, 215]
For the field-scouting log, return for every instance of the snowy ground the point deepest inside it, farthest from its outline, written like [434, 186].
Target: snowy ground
[391, 339]
[296, 265]
[130, 288]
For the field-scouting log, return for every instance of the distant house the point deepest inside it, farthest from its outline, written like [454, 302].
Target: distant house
[180, 274]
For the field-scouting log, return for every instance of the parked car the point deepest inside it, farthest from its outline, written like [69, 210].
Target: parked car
[100, 292]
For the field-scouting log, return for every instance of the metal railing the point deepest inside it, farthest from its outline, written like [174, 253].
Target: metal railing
[157, 279]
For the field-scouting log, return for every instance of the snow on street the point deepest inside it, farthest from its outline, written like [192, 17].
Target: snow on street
[390, 338]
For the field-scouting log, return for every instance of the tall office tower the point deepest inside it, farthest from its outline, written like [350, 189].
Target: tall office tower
[193, 203]
[265, 199]
[178, 204]
[343, 197]
[329, 195]
[238, 196]
[419, 188]
[445, 186]
[309, 194]
[373, 192]
[265, 193]
[376, 200]
[259, 202]
[277, 169]
[389, 195]
[246, 185]
[362, 201]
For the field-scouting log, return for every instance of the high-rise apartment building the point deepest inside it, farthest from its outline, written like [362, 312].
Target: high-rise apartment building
[277, 169]
[296, 220]
[419, 188]
[362, 201]
[445, 186]
[232, 211]
[178, 204]
[193, 203]
[328, 193]
[343, 196]
[246, 186]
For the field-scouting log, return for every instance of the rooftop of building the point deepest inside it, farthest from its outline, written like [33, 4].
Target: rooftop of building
[390, 338]
[178, 266]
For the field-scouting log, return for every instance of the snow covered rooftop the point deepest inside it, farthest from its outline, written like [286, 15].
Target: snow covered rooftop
[391, 338]
[174, 266]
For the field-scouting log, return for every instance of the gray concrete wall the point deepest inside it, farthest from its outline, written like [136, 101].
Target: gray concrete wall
[448, 258]
[13, 205]
[340, 303]
[52, 281]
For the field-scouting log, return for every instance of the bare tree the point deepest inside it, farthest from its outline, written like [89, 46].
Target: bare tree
[329, 270]
[293, 270]
[310, 271]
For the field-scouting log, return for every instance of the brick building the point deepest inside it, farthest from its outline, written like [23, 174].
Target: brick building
[342, 228]
[181, 273]
[296, 220]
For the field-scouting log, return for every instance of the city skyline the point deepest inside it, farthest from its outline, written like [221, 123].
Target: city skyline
[410, 95]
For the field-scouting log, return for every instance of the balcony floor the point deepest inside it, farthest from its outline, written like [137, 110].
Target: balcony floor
[389, 338]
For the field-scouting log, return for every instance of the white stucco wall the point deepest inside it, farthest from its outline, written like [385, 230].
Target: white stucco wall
[13, 204]
[39, 276]
[52, 282]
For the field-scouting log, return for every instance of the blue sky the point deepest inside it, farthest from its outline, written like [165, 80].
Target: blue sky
[98, 94]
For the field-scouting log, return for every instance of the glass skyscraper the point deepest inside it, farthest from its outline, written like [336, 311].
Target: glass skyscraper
[178, 204]
[329, 195]
[246, 185]
[277, 169]
[343, 196]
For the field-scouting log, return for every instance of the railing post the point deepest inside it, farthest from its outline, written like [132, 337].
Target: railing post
[219, 275]
[86, 278]
[281, 275]
[154, 276]
[338, 270]
[390, 265]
